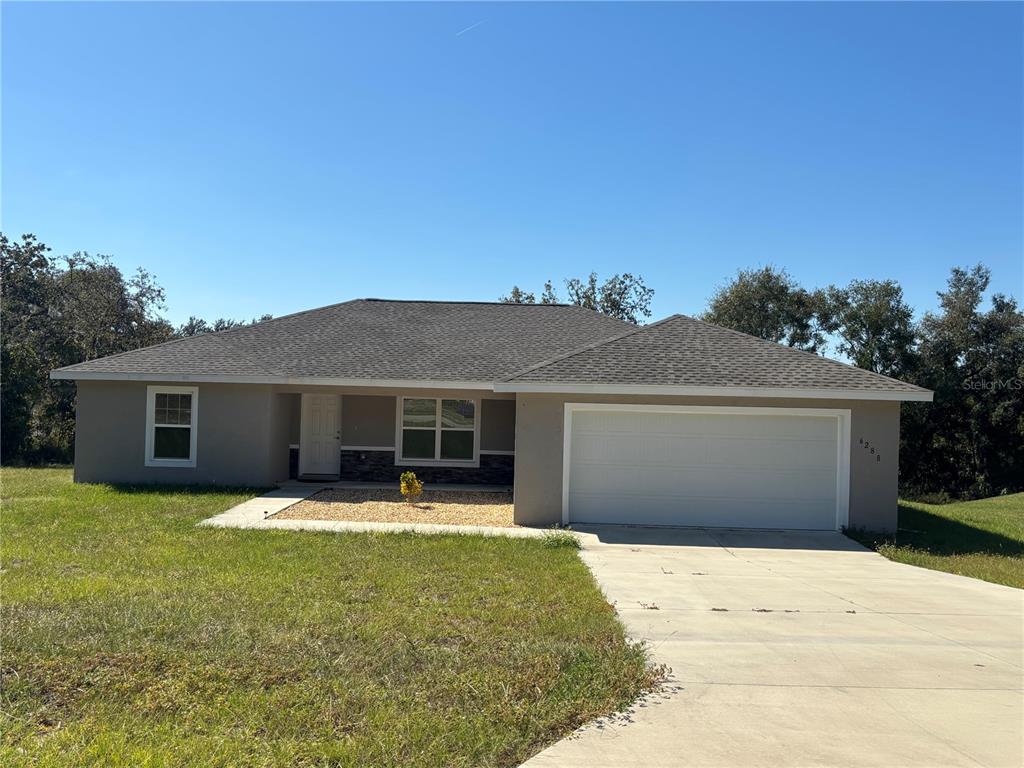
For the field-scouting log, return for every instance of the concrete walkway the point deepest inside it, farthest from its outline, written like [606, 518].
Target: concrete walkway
[804, 649]
[256, 514]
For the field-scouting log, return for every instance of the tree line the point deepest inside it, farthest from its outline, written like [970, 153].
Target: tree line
[968, 443]
[55, 311]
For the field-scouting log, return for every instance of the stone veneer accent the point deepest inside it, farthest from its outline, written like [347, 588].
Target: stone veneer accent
[379, 467]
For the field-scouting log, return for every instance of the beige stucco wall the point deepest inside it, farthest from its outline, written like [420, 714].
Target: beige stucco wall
[498, 425]
[244, 430]
[539, 442]
[241, 440]
[368, 421]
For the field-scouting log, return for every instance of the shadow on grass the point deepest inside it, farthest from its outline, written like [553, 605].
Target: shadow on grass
[190, 489]
[939, 535]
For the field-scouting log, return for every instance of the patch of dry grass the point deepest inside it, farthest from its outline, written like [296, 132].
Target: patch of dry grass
[386, 505]
[133, 638]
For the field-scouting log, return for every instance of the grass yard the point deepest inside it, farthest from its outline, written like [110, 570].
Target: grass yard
[132, 638]
[983, 539]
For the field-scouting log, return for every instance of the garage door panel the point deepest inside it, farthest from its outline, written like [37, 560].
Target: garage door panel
[751, 483]
[610, 447]
[701, 512]
[704, 469]
[794, 454]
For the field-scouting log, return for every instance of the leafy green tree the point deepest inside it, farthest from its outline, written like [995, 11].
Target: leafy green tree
[548, 295]
[874, 326]
[56, 312]
[769, 304]
[518, 296]
[26, 274]
[195, 326]
[624, 296]
[969, 442]
[583, 294]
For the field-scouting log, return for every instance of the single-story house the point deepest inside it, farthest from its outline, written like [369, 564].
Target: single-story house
[590, 419]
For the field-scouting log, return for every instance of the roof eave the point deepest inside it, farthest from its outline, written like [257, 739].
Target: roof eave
[218, 378]
[811, 393]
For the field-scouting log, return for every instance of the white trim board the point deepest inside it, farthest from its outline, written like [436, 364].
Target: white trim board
[842, 415]
[921, 395]
[220, 378]
[796, 393]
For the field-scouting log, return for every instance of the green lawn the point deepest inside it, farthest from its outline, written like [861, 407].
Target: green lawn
[983, 539]
[132, 638]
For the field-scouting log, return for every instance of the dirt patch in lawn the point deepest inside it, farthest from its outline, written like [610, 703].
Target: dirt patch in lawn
[388, 506]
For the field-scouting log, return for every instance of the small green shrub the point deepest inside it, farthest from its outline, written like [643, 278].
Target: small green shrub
[411, 487]
[556, 538]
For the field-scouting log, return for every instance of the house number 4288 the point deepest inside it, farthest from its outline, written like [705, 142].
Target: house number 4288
[868, 447]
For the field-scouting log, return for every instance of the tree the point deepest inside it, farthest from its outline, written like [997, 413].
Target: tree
[623, 296]
[518, 296]
[25, 271]
[769, 304]
[195, 326]
[548, 296]
[969, 442]
[56, 312]
[59, 311]
[873, 324]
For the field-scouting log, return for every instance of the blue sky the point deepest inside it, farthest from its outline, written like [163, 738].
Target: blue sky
[276, 157]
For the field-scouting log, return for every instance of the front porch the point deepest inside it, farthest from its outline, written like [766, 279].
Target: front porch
[448, 438]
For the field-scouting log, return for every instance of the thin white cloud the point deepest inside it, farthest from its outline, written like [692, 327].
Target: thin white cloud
[460, 33]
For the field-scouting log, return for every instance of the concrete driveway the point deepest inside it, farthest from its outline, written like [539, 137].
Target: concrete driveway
[804, 649]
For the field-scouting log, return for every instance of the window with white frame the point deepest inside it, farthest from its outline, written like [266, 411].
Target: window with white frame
[438, 429]
[171, 419]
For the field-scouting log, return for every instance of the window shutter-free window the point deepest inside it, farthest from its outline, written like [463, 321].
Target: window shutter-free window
[438, 429]
[171, 418]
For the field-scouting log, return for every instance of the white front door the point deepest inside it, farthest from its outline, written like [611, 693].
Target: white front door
[320, 438]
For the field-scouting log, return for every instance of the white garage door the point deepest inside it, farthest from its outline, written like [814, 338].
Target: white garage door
[736, 467]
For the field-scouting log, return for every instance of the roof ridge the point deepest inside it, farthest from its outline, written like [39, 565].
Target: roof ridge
[815, 355]
[535, 304]
[586, 348]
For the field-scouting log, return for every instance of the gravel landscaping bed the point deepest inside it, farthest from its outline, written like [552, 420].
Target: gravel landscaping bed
[387, 506]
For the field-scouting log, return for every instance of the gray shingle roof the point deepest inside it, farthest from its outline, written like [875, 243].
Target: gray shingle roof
[515, 345]
[375, 339]
[680, 351]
